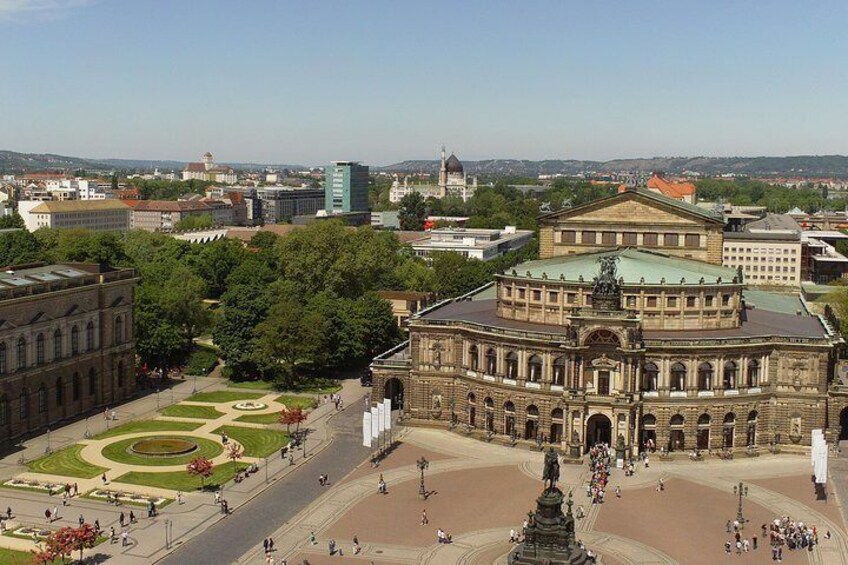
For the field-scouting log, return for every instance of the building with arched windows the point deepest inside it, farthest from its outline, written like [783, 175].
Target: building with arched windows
[66, 343]
[621, 344]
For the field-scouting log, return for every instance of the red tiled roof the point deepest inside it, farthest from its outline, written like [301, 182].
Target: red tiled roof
[195, 168]
[676, 190]
[170, 206]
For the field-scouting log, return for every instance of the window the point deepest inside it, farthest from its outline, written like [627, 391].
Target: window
[92, 382]
[571, 298]
[39, 349]
[708, 300]
[521, 294]
[57, 344]
[553, 297]
[24, 404]
[690, 301]
[60, 393]
[534, 369]
[692, 240]
[650, 376]
[753, 373]
[89, 336]
[628, 238]
[568, 236]
[507, 291]
[512, 365]
[75, 387]
[3, 365]
[671, 302]
[678, 377]
[559, 371]
[671, 240]
[21, 353]
[730, 375]
[650, 240]
[725, 299]
[608, 238]
[537, 295]
[473, 357]
[42, 399]
[652, 302]
[705, 376]
[491, 361]
[74, 340]
[588, 237]
[631, 301]
[119, 327]
[4, 410]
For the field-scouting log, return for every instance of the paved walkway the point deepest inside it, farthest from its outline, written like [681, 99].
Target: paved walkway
[478, 547]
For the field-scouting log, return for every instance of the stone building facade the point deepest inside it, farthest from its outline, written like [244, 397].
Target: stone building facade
[66, 344]
[619, 345]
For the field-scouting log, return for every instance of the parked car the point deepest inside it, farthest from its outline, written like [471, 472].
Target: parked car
[366, 378]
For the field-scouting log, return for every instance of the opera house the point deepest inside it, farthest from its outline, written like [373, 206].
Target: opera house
[627, 330]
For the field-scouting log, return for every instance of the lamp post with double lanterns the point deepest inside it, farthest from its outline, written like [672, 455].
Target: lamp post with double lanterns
[422, 464]
[740, 490]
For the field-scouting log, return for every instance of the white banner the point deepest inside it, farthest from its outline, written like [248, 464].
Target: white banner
[375, 429]
[388, 403]
[366, 429]
[381, 417]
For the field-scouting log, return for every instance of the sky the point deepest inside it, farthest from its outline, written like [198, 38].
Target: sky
[306, 82]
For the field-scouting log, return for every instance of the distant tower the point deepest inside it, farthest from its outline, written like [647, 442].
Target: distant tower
[443, 173]
[208, 162]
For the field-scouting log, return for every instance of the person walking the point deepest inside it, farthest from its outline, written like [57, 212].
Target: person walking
[617, 491]
[424, 520]
[122, 519]
[125, 538]
[754, 542]
[103, 478]
[112, 538]
[55, 512]
[81, 520]
[265, 546]
[179, 498]
[270, 544]
[132, 517]
[47, 515]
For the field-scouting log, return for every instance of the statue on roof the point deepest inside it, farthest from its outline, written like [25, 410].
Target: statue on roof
[545, 208]
[606, 283]
[566, 203]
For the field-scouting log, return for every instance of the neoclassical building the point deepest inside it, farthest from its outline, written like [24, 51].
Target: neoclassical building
[620, 342]
[66, 343]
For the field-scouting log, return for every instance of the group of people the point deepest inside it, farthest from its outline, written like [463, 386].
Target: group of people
[792, 534]
[599, 464]
[336, 399]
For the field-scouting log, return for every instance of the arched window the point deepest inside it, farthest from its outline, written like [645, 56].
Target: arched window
[119, 330]
[92, 382]
[39, 349]
[534, 369]
[490, 404]
[60, 392]
[753, 373]
[702, 434]
[649, 421]
[509, 406]
[490, 414]
[678, 377]
[472, 409]
[730, 372]
[556, 414]
[4, 410]
[559, 371]
[24, 404]
[3, 363]
[509, 418]
[471, 398]
[650, 377]
[512, 365]
[75, 341]
[729, 429]
[704, 420]
[474, 357]
[42, 399]
[491, 361]
[120, 374]
[21, 353]
[603, 337]
[676, 420]
[752, 429]
[533, 411]
[75, 387]
[705, 376]
[57, 344]
[89, 336]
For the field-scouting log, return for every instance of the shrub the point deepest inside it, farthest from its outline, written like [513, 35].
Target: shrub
[201, 362]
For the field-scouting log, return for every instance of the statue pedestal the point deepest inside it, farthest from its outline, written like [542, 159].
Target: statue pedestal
[549, 538]
[575, 450]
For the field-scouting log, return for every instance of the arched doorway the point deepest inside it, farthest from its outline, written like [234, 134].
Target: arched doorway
[702, 437]
[394, 391]
[728, 430]
[676, 437]
[598, 430]
[509, 418]
[556, 425]
[843, 424]
[648, 433]
[531, 426]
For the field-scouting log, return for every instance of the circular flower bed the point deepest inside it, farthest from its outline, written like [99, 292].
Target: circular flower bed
[247, 406]
[161, 450]
[163, 446]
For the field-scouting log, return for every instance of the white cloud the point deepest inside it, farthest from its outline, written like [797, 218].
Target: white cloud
[22, 9]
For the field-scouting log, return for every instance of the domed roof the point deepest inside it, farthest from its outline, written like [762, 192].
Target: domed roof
[452, 165]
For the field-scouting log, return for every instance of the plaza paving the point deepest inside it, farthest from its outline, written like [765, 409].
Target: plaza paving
[479, 491]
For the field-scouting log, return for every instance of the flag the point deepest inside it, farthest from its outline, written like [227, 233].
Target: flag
[366, 429]
[388, 403]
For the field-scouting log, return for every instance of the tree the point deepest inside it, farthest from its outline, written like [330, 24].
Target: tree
[12, 221]
[115, 181]
[84, 537]
[215, 262]
[19, 247]
[200, 467]
[42, 556]
[61, 543]
[196, 222]
[413, 212]
[289, 416]
[234, 452]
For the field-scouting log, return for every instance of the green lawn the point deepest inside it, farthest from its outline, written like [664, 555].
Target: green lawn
[291, 401]
[119, 451]
[181, 480]
[224, 396]
[256, 442]
[319, 385]
[252, 385]
[192, 411]
[12, 557]
[66, 462]
[149, 426]
[266, 419]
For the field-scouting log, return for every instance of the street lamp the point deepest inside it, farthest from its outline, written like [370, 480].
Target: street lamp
[167, 533]
[47, 449]
[266, 470]
[157, 398]
[194, 386]
[87, 433]
[740, 490]
[422, 464]
[304, 445]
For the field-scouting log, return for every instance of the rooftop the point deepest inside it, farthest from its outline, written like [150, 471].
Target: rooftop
[57, 207]
[774, 222]
[634, 265]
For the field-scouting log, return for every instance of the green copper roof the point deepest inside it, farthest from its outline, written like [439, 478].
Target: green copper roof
[633, 265]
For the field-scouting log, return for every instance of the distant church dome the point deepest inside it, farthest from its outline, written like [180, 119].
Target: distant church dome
[452, 165]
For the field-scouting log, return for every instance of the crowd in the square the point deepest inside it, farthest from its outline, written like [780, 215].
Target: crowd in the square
[599, 464]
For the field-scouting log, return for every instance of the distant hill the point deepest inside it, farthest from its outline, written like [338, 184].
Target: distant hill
[804, 165]
[14, 162]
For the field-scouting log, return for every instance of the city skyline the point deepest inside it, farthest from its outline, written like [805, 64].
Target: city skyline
[381, 82]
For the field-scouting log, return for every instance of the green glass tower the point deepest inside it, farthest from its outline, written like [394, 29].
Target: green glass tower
[346, 187]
